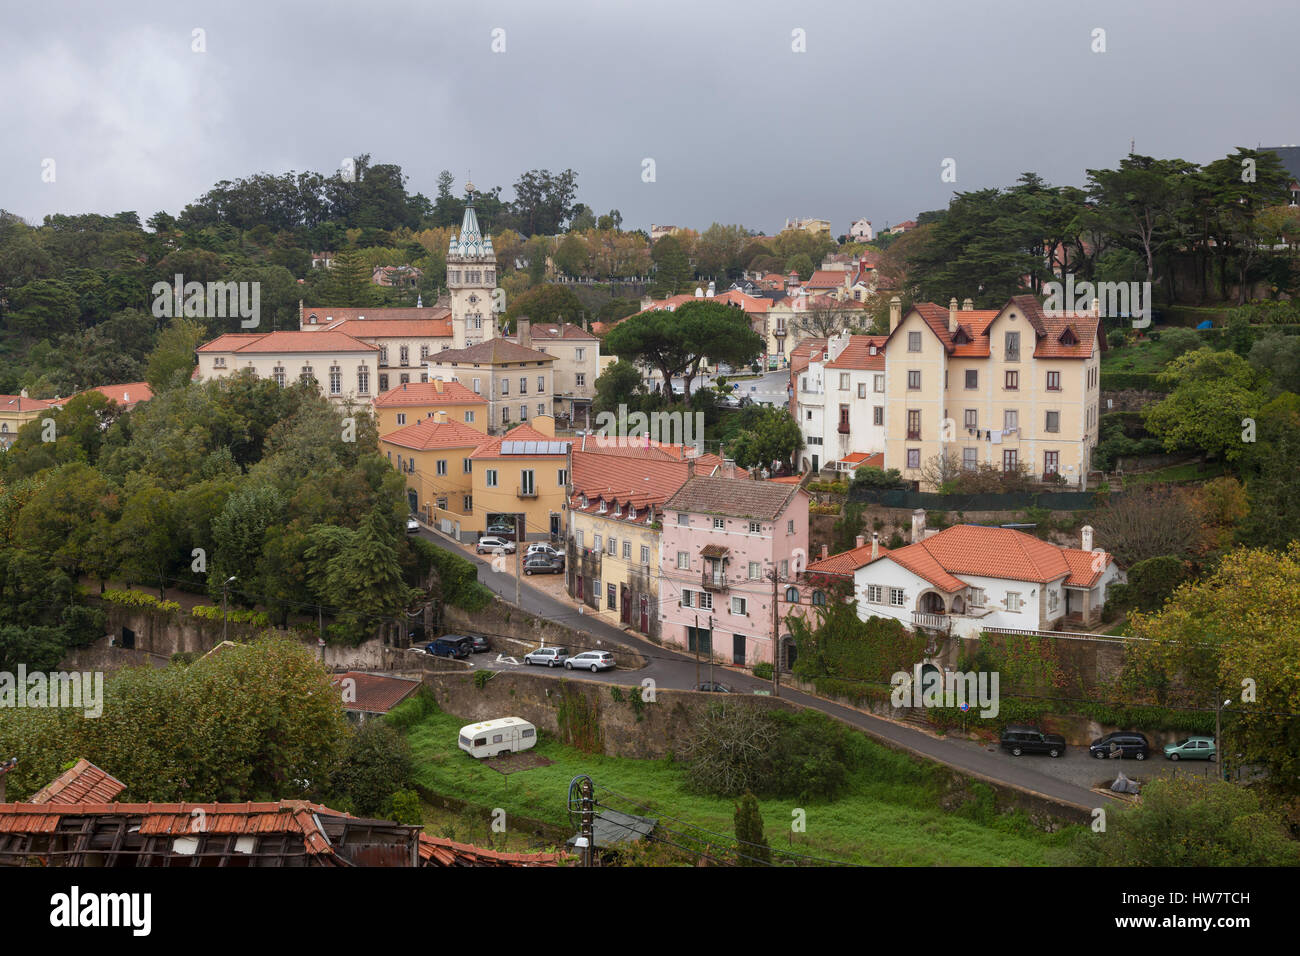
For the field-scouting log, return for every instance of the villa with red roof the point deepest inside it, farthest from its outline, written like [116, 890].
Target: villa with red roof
[15, 412]
[342, 367]
[967, 578]
[840, 402]
[409, 403]
[1012, 388]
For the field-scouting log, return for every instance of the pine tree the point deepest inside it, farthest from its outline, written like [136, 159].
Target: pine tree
[753, 849]
[349, 281]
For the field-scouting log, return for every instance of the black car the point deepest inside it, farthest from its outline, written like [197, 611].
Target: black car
[713, 687]
[1022, 739]
[477, 644]
[1121, 744]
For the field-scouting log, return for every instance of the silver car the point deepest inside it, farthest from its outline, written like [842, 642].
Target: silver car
[541, 547]
[492, 543]
[550, 656]
[596, 660]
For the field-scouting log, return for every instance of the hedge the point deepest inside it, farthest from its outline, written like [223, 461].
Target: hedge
[139, 599]
[1140, 381]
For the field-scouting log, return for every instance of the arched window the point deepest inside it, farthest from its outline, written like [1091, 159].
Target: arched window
[819, 598]
[792, 595]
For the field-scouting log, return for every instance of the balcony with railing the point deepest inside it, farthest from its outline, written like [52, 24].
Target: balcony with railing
[843, 427]
[527, 491]
[713, 580]
[932, 622]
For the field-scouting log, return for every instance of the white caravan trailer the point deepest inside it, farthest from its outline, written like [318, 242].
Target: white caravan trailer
[492, 738]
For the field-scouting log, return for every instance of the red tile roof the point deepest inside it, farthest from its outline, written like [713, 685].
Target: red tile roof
[491, 448]
[428, 434]
[127, 396]
[859, 459]
[427, 393]
[994, 553]
[857, 354]
[18, 403]
[437, 851]
[846, 562]
[542, 331]
[1051, 338]
[394, 328]
[375, 693]
[826, 279]
[300, 343]
[494, 351]
[739, 498]
[605, 473]
[83, 782]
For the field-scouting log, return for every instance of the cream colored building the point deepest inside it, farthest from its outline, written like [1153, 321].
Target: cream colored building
[577, 362]
[472, 279]
[343, 368]
[434, 456]
[1008, 387]
[522, 474]
[518, 382]
[15, 412]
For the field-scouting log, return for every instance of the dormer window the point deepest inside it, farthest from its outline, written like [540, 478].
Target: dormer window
[1068, 337]
[583, 500]
[603, 507]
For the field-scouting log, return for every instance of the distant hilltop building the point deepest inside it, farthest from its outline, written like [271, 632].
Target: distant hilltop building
[818, 227]
[861, 231]
[396, 276]
[658, 232]
[903, 227]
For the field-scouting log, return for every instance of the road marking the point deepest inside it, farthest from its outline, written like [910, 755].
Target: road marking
[502, 659]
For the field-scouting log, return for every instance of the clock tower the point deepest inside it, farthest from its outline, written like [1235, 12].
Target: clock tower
[471, 279]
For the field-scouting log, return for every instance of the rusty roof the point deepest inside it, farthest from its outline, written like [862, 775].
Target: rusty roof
[736, 497]
[437, 851]
[375, 693]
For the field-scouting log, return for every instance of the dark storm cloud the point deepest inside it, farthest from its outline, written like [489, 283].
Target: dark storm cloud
[741, 128]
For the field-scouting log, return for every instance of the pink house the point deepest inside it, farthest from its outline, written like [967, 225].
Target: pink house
[723, 540]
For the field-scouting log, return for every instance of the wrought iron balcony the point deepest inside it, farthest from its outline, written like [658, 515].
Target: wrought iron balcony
[713, 580]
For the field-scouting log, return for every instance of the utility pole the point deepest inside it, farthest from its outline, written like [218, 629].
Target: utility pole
[225, 616]
[582, 804]
[775, 576]
[697, 650]
[519, 540]
[710, 650]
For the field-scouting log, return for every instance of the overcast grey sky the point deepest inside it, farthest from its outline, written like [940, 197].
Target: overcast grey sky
[741, 128]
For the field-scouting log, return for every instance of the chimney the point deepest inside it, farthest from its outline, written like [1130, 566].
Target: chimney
[437, 385]
[646, 302]
[918, 525]
[1087, 537]
[875, 545]
[728, 468]
[968, 305]
[952, 315]
[126, 397]
[690, 468]
[442, 418]
[403, 386]
[895, 313]
[525, 333]
[862, 542]
[824, 551]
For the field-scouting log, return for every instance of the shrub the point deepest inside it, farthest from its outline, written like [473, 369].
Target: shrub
[763, 670]
[871, 477]
[1152, 581]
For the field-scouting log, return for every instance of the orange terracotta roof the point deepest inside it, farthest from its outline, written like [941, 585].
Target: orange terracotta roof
[857, 354]
[17, 403]
[298, 343]
[1081, 565]
[826, 279]
[541, 331]
[426, 393]
[750, 303]
[437, 851]
[605, 473]
[492, 447]
[393, 328]
[128, 395]
[846, 562]
[427, 434]
[787, 480]
[991, 552]
[759, 500]
[374, 693]
[84, 782]
[859, 459]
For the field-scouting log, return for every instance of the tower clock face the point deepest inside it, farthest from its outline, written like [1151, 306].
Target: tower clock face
[473, 299]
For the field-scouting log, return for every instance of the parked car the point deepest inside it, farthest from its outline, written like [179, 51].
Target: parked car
[1023, 739]
[713, 687]
[412, 526]
[1123, 743]
[542, 563]
[596, 660]
[477, 644]
[1193, 748]
[493, 543]
[502, 529]
[450, 646]
[550, 656]
[543, 547]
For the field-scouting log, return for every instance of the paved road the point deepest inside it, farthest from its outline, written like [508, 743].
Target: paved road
[675, 670]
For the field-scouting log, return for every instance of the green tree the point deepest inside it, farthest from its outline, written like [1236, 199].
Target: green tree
[376, 764]
[1213, 392]
[773, 437]
[172, 360]
[672, 269]
[615, 386]
[714, 331]
[752, 849]
[349, 281]
[1190, 822]
[544, 303]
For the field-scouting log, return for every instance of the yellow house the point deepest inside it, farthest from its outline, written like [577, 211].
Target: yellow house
[434, 455]
[410, 403]
[522, 474]
[15, 412]
[1012, 388]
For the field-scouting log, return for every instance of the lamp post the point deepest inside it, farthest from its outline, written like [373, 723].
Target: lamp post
[225, 617]
[1218, 734]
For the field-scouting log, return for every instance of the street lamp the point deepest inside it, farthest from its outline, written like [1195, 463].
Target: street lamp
[225, 617]
[1218, 735]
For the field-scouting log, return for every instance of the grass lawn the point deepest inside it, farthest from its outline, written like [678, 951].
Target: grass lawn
[1144, 356]
[890, 816]
[1192, 471]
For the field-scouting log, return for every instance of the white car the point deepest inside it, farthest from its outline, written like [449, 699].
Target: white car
[541, 547]
[494, 544]
[596, 660]
[412, 526]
